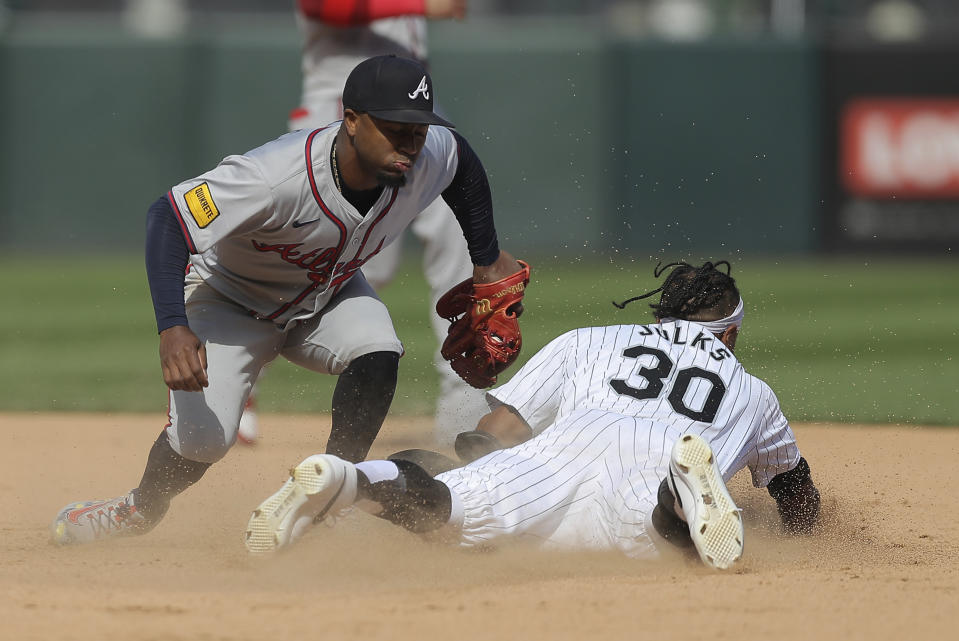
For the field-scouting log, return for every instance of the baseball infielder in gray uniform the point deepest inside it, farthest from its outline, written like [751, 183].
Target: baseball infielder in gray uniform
[620, 438]
[276, 239]
[337, 36]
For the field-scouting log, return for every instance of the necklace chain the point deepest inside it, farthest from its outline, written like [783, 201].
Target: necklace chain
[336, 170]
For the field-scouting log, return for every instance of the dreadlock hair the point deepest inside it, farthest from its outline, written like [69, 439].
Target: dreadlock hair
[693, 293]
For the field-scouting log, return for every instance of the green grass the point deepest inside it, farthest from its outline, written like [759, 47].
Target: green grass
[856, 340]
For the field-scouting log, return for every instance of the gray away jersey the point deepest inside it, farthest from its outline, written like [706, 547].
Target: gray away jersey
[676, 374]
[269, 229]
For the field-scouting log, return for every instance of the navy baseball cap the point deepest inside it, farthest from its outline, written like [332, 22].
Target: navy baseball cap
[392, 88]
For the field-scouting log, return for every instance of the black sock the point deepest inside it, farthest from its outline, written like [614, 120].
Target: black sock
[414, 500]
[361, 401]
[166, 475]
[666, 522]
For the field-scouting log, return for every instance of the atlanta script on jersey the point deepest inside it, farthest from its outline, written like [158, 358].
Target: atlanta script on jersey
[270, 230]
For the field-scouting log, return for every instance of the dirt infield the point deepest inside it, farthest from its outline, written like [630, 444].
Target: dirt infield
[884, 566]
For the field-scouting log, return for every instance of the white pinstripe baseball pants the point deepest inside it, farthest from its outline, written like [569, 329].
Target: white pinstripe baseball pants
[587, 482]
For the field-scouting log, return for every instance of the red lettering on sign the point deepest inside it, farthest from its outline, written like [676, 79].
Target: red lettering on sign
[900, 147]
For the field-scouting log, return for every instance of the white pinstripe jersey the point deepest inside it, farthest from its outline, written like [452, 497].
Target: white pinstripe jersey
[676, 374]
[270, 230]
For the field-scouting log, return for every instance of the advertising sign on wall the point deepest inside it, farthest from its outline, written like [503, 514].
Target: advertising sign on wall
[892, 152]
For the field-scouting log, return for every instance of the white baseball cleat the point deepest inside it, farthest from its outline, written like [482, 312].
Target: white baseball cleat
[321, 485]
[715, 523]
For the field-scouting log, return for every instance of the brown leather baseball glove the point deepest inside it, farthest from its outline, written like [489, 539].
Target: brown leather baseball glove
[484, 336]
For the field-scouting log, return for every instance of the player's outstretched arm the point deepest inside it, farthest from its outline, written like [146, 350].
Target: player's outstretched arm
[506, 425]
[183, 359]
[503, 267]
[182, 355]
[797, 498]
[501, 428]
[445, 9]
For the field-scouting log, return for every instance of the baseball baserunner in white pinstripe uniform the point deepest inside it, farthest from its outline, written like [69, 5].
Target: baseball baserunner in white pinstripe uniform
[606, 435]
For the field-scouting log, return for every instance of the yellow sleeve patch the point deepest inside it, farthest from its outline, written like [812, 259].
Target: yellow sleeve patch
[201, 205]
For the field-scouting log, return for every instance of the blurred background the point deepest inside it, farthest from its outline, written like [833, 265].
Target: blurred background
[812, 143]
[755, 125]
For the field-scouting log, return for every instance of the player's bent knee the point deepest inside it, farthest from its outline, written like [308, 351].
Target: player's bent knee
[203, 444]
[375, 365]
[382, 353]
[321, 359]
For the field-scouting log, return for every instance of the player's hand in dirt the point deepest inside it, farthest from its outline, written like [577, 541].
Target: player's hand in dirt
[183, 359]
[800, 511]
[797, 498]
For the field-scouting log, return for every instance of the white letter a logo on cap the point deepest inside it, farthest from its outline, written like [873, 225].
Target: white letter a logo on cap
[423, 88]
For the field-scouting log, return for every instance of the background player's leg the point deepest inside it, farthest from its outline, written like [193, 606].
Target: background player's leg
[446, 262]
[249, 429]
